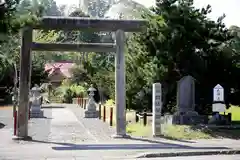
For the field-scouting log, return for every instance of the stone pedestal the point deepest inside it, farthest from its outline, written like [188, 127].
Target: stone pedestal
[187, 118]
[122, 136]
[36, 103]
[91, 111]
[91, 114]
[36, 111]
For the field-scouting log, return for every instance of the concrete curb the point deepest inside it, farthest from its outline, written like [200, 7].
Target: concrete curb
[189, 153]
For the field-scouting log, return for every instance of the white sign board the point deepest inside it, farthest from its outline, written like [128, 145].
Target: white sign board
[218, 93]
[218, 107]
[156, 109]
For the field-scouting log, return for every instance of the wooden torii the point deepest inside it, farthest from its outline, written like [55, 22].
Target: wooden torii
[73, 23]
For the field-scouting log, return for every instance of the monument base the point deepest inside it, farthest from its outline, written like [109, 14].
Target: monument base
[91, 114]
[36, 114]
[27, 138]
[157, 136]
[118, 136]
[188, 118]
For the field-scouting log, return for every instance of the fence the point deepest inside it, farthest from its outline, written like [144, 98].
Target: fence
[143, 116]
[82, 102]
[102, 109]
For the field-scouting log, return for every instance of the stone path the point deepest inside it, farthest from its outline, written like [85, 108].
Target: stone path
[100, 130]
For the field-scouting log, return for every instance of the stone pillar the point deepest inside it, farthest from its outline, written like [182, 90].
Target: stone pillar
[91, 111]
[156, 109]
[120, 95]
[25, 59]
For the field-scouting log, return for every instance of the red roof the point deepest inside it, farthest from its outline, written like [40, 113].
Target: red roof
[63, 67]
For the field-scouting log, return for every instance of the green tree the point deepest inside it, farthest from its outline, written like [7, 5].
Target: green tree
[78, 36]
[187, 43]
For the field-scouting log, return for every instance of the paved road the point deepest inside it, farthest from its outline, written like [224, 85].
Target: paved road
[218, 157]
[65, 134]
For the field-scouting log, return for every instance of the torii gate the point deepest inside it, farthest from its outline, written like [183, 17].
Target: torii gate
[73, 23]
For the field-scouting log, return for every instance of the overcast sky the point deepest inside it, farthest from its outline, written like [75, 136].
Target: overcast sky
[230, 7]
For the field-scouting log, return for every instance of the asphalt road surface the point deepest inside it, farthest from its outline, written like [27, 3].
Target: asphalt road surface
[218, 157]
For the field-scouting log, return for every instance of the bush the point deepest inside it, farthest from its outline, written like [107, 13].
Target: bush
[68, 91]
[67, 97]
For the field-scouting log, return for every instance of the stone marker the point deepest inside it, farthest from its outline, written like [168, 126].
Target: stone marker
[91, 111]
[36, 103]
[186, 113]
[218, 106]
[156, 109]
[218, 99]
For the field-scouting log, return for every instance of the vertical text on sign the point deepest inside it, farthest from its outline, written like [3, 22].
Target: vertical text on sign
[218, 93]
[156, 108]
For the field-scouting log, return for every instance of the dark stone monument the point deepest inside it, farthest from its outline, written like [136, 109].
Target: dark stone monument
[186, 113]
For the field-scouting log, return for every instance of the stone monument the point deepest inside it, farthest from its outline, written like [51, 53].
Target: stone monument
[36, 103]
[91, 111]
[186, 113]
[218, 106]
[156, 109]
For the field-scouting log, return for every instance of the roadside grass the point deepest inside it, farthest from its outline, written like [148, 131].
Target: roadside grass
[168, 131]
[137, 129]
[235, 110]
[189, 132]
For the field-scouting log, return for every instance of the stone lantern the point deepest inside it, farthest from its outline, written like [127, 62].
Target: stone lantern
[36, 102]
[91, 111]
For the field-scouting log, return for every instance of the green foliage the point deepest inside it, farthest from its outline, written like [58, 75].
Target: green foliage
[14, 16]
[110, 102]
[78, 36]
[68, 91]
[78, 90]
[7, 11]
[80, 75]
[179, 41]
[67, 97]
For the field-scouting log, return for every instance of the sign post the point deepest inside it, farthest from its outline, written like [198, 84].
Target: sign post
[218, 99]
[156, 109]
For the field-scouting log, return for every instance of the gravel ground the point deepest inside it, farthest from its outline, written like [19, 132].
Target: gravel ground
[100, 130]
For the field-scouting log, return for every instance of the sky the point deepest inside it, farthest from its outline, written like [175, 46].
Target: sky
[230, 7]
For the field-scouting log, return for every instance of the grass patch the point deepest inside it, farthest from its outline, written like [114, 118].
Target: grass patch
[168, 131]
[137, 129]
[176, 132]
[189, 132]
[235, 110]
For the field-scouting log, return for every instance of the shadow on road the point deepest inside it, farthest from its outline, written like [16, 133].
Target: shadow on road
[51, 107]
[159, 145]
[2, 125]
[159, 141]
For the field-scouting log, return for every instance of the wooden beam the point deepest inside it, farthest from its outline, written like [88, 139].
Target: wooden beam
[81, 23]
[82, 47]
